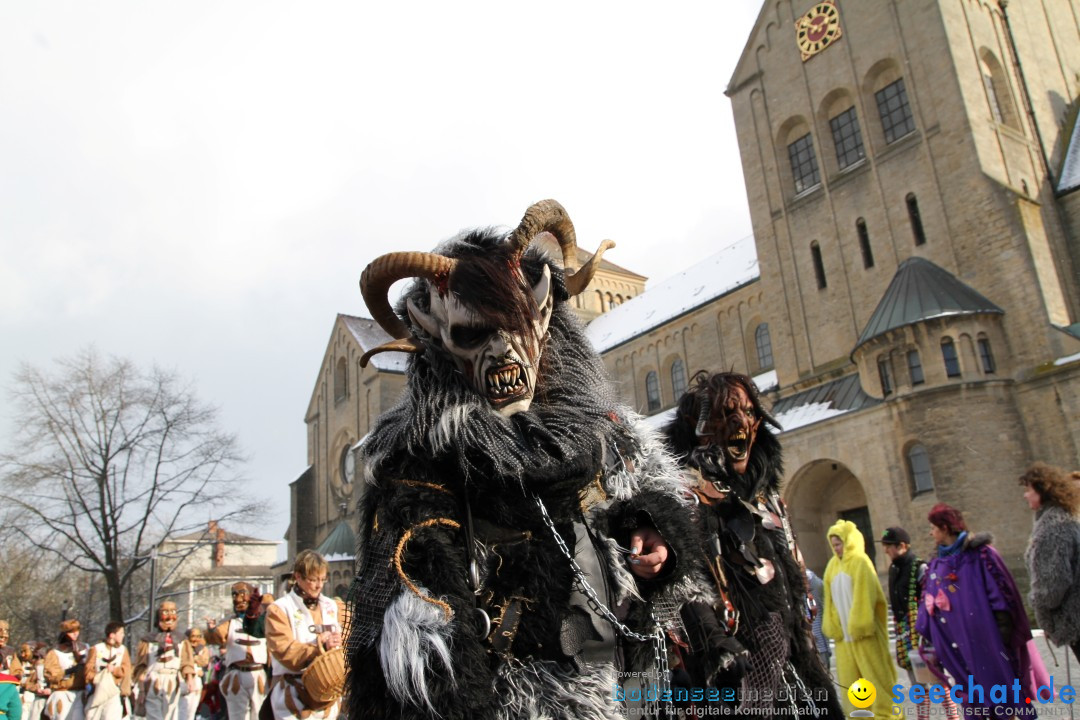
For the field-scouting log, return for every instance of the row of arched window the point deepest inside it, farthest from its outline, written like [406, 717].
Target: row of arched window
[863, 234]
[678, 377]
[897, 121]
[950, 358]
[609, 300]
[652, 385]
[895, 115]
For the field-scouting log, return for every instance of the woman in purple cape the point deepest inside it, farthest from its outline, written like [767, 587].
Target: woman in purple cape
[973, 616]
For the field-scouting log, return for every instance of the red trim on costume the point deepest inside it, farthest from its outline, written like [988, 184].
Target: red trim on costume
[4, 677]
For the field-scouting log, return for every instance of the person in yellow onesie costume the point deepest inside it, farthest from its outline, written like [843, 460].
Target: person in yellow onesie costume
[855, 617]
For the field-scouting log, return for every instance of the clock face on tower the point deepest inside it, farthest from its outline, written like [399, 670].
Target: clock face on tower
[817, 29]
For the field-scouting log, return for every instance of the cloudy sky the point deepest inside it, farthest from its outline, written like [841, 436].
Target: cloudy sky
[199, 184]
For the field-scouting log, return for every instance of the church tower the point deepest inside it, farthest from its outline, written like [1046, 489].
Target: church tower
[902, 161]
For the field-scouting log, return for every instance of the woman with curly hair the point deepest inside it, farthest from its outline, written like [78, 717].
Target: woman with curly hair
[1053, 552]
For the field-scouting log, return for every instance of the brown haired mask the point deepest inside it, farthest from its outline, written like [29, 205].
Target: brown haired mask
[499, 364]
[732, 426]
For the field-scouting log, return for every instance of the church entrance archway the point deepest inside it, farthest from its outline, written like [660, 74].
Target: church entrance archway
[818, 494]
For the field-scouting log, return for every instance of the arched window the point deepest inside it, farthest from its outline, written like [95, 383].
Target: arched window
[916, 219]
[914, 366]
[998, 96]
[864, 243]
[764, 346]
[884, 368]
[600, 300]
[652, 390]
[991, 93]
[986, 356]
[678, 379]
[341, 377]
[922, 479]
[804, 167]
[896, 118]
[819, 265]
[847, 138]
[948, 354]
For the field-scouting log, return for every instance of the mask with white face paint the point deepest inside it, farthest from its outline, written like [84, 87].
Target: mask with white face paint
[499, 363]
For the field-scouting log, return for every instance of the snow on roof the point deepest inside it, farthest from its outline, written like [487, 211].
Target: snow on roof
[368, 333]
[801, 415]
[1067, 359]
[337, 557]
[767, 381]
[730, 268]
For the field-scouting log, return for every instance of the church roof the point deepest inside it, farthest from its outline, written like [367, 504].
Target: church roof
[822, 402]
[371, 335]
[730, 268]
[340, 543]
[919, 291]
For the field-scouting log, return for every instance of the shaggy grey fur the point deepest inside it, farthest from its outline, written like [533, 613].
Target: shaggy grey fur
[416, 637]
[546, 691]
[443, 430]
[1053, 561]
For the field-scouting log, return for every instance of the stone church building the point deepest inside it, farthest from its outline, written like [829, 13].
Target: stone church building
[909, 298]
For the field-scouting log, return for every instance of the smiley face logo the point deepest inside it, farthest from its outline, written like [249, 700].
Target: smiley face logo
[862, 693]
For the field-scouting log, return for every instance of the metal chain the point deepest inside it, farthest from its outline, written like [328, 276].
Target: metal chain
[806, 691]
[595, 604]
[663, 672]
[598, 607]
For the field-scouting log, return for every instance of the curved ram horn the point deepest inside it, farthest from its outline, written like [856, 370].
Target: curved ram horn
[409, 345]
[578, 281]
[546, 215]
[375, 283]
[550, 216]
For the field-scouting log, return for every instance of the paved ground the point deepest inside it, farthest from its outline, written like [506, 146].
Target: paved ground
[1060, 664]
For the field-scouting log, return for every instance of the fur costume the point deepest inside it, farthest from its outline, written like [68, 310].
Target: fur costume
[452, 485]
[856, 617]
[1053, 562]
[747, 539]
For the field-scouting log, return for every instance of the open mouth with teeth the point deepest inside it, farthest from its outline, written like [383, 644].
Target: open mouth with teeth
[738, 445]
[506, 384]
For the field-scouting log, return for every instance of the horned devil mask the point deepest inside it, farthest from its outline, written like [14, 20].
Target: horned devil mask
[484, 312]
[729, 416]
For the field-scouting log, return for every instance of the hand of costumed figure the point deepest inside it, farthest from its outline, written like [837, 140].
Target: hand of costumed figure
[648, 553]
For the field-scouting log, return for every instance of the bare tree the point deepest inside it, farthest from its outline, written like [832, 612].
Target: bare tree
[108, 460]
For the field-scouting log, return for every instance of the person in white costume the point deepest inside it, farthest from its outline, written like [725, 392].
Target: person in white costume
[299, 627]
[65, 667]
[194, 657]
[108, 671]
[157, 667]
[242, 640]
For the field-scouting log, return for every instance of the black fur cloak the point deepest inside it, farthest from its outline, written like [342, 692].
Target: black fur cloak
[449, 481]
[746, 527]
